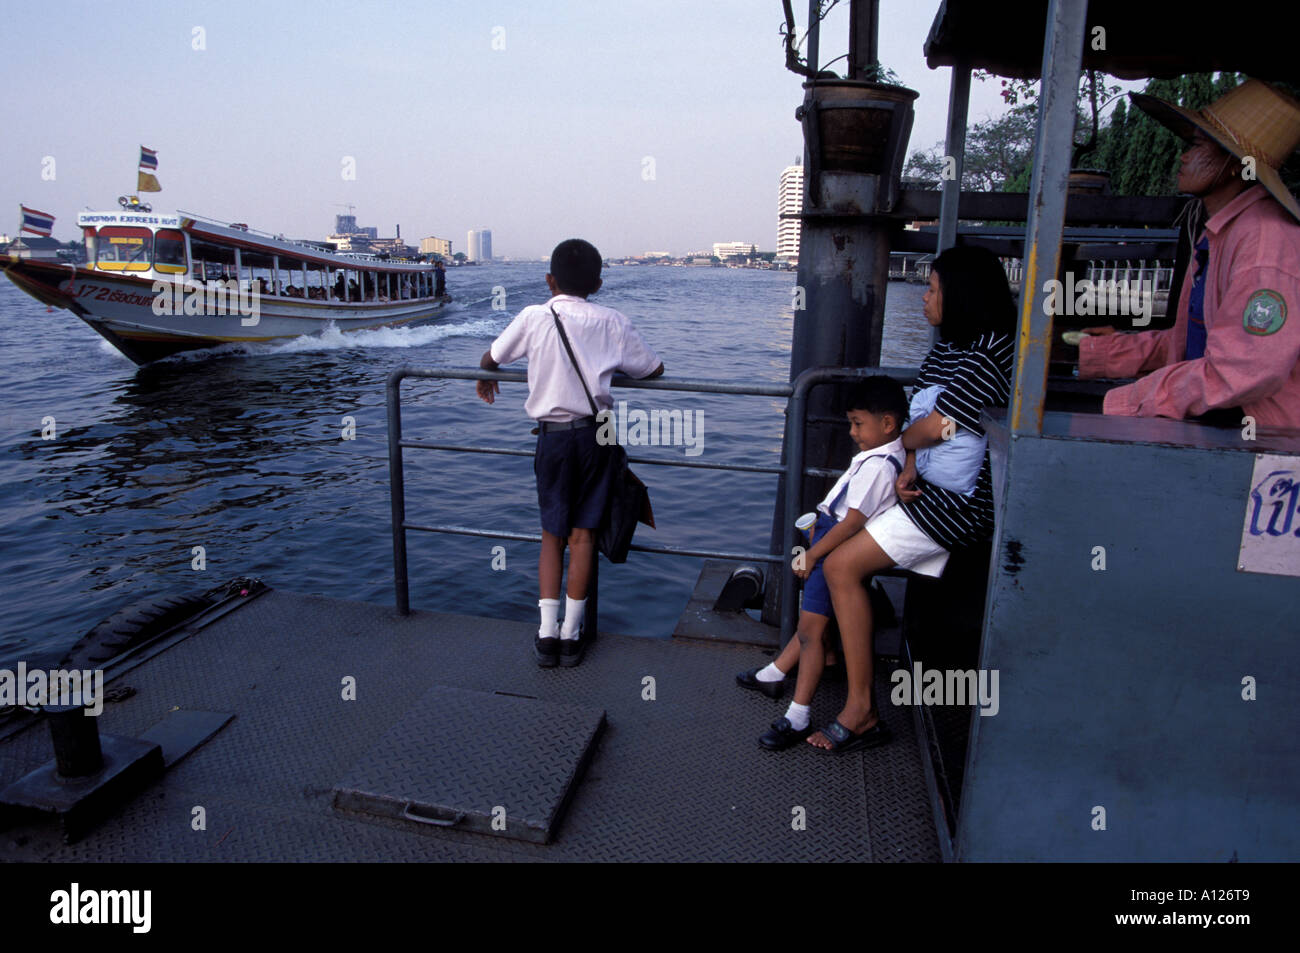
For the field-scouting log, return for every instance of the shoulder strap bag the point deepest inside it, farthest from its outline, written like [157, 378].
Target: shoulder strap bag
[629, 500]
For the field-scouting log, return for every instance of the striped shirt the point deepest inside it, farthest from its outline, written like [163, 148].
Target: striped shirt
[973, 378]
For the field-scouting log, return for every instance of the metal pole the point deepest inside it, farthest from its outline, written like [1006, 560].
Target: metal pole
[814, 35]
[955, 149]
[1057, 113]
[397, 488]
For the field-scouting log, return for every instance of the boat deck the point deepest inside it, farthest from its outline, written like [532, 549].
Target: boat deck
[679, 778]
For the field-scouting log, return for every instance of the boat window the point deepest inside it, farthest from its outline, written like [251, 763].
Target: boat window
[169, 251]
[89, 234]
[124, 249]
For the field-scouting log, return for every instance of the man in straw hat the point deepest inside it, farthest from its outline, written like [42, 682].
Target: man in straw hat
[1236, 340]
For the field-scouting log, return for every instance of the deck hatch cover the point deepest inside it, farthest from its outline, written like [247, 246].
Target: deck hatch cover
[458, 757]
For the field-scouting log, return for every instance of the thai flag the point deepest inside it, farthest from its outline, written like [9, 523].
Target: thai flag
[38, 223]
[148, 160]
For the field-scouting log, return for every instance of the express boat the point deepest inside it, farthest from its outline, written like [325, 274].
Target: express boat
[154, 284]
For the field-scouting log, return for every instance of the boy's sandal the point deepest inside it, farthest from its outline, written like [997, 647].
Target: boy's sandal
[843, 741]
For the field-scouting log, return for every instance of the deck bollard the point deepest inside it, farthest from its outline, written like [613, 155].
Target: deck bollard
[76, 741]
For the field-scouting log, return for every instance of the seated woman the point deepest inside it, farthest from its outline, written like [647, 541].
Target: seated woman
[970, 302]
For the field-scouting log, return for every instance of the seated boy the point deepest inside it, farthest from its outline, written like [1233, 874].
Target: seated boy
[877, 410]
[570, 466]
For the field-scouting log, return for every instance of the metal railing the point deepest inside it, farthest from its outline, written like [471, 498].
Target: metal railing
[796, 394]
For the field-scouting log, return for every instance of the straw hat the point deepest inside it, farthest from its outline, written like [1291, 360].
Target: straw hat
[1255, 119]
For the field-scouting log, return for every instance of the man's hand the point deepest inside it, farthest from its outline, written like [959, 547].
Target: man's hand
[905, 484]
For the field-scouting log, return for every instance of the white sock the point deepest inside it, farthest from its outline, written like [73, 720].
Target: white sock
[550, 618]
[573, 611]
[769, 674]
[798, 715]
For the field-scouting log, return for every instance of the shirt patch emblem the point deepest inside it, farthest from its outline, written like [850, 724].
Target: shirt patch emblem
[1265, 312]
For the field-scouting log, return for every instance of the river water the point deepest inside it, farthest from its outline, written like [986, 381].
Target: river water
[240, 451]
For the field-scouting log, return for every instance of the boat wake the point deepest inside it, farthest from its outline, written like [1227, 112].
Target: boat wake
[332, 339]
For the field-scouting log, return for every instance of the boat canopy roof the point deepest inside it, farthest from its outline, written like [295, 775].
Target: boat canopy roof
[219, 241]
[1153, 38]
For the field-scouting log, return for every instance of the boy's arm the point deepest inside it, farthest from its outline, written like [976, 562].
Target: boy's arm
[853, 521]
[487, 390]
[510, 346]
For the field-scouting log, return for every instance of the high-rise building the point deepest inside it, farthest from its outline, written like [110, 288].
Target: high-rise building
[789, 202]
[479, 242]
[435, 246]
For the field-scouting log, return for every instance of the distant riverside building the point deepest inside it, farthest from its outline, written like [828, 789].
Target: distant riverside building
[435, 246]
[789, 202]
[725, 250]
[28, 246]
[479, 244]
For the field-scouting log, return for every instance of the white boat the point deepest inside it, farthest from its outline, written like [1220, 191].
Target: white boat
[156, 283]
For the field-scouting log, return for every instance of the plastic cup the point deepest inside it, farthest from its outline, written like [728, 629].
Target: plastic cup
[805, 524]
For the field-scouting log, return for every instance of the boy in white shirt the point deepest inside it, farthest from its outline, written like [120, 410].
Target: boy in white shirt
[877, 410]
[571, 467]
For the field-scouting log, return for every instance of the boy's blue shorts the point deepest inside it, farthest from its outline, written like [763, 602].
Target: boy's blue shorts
[572, 479]
[816, 594]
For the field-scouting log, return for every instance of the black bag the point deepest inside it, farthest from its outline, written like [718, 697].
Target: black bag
[629, 500]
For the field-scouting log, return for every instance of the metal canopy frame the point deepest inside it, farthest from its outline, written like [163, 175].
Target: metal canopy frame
[1154, 38]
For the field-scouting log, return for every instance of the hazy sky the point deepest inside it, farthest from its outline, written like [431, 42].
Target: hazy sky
[550, 137]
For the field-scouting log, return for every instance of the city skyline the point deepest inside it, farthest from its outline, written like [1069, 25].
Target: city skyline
[625, 137]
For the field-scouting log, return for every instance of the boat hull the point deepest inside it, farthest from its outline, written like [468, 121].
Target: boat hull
[141, 324]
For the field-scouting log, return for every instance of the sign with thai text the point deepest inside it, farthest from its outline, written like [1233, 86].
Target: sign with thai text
[1270, 538]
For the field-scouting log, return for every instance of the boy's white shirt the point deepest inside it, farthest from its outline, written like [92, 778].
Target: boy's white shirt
[604, 341]
[871, 482]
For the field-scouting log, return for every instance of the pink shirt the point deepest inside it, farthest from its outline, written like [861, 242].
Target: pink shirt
[1252, 350]
[604, 341]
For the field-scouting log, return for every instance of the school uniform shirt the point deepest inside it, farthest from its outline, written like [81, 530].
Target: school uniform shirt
[604, 341]
[973, 378]
[868, 484]
[1251, 355]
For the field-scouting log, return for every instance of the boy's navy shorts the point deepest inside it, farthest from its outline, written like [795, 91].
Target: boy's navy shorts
[572, 479]
[816, 594]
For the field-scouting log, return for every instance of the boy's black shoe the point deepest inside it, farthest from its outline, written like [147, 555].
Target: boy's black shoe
[572, 650]
[782, 735]
[770, 689]
[547, 651]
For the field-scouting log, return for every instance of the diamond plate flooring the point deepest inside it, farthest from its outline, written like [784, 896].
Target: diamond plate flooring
[677, 774]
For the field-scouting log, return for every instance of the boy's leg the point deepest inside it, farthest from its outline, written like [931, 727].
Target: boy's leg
[812, 655]
[582, 550]
[550, 566]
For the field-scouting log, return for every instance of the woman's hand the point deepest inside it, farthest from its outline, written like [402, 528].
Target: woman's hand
[905, 485]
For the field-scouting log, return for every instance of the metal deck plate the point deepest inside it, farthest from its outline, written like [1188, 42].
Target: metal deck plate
[491, 763]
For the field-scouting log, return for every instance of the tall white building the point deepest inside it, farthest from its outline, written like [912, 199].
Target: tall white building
[789, 201]
[479, 244]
